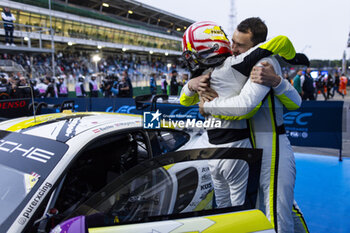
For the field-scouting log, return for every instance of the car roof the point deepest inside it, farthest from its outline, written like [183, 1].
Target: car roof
[66, 125]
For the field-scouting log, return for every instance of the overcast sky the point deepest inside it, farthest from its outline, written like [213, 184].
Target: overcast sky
[319, 27]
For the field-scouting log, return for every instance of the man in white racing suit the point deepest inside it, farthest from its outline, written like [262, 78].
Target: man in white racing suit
[267, 124]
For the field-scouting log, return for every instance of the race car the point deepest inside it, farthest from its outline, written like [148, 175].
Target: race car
[107, 171]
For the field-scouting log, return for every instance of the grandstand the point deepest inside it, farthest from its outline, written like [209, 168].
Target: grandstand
[114, 25]
[125, 34]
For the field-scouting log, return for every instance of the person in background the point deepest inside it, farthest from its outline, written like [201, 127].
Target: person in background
[93, 87]
[23, 90]
[307, 84]
[128, 80]
[153, 84]
[336, 84]
[79, 88]
[50, 91]
[62, 87]
[13, 83]
[174, 85]
[320, 85]
[297, 82]
[4, 89]
[115, 86]
[286, 76]
[330, 84]
[8, 19]
[164, 84]
[42, 87]
[106, 86]
[184, 79]
[124, 88]
[34, 87]
[342, 85]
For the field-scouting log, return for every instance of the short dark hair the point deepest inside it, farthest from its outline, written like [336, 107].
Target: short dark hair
[256, 26]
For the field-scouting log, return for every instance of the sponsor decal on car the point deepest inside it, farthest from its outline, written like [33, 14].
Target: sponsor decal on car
[206, 177]
[29, 210]
[116, 125]
[206, 186]
[205, 169]
[31, 180]
[34, 153]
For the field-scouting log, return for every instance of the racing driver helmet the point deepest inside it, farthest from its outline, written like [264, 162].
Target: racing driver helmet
[204, 45]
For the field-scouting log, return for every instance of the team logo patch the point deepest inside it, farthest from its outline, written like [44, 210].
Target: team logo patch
[31, 180]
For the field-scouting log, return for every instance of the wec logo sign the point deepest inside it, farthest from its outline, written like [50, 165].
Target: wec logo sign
[297, 117]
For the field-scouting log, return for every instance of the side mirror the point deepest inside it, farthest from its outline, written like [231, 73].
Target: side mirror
[73, 225]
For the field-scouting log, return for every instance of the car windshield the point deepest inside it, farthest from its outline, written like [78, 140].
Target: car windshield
[25, 162]
[13, 189]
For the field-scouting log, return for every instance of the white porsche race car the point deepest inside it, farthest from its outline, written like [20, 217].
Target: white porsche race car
[100, 172]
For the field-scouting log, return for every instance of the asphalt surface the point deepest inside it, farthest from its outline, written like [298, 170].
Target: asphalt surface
[346, 131]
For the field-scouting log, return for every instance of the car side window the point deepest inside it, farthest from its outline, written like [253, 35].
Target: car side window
[178, 185]
[152, 190]
[187, 183]
[98, 165]
[164, 141]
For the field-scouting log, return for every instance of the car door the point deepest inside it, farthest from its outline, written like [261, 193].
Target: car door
[95, 166]
[172, 187]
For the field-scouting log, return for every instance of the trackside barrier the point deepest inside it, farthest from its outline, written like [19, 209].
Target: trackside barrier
[14, 108]
[315, 124]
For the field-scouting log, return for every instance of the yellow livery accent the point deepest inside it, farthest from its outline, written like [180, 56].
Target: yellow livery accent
[116, 219]
[189, 100]
[217, 33]
[245, 221]
[67, 111]
[38, 120]
[189, 47]
[48, 117]
[235, 118]
[273, 164]
[288, 103]
[167, 167]
[297, 213]
[206, 202]
[252, 135]
[280, 45]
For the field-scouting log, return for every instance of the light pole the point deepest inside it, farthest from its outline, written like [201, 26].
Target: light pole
[168, 65]
[52, 42]
[96, 58]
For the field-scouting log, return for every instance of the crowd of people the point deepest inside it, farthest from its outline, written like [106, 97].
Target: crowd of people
[116, 80]
[111, 76]
[326, 84]
[80, 63]
[95, 85]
